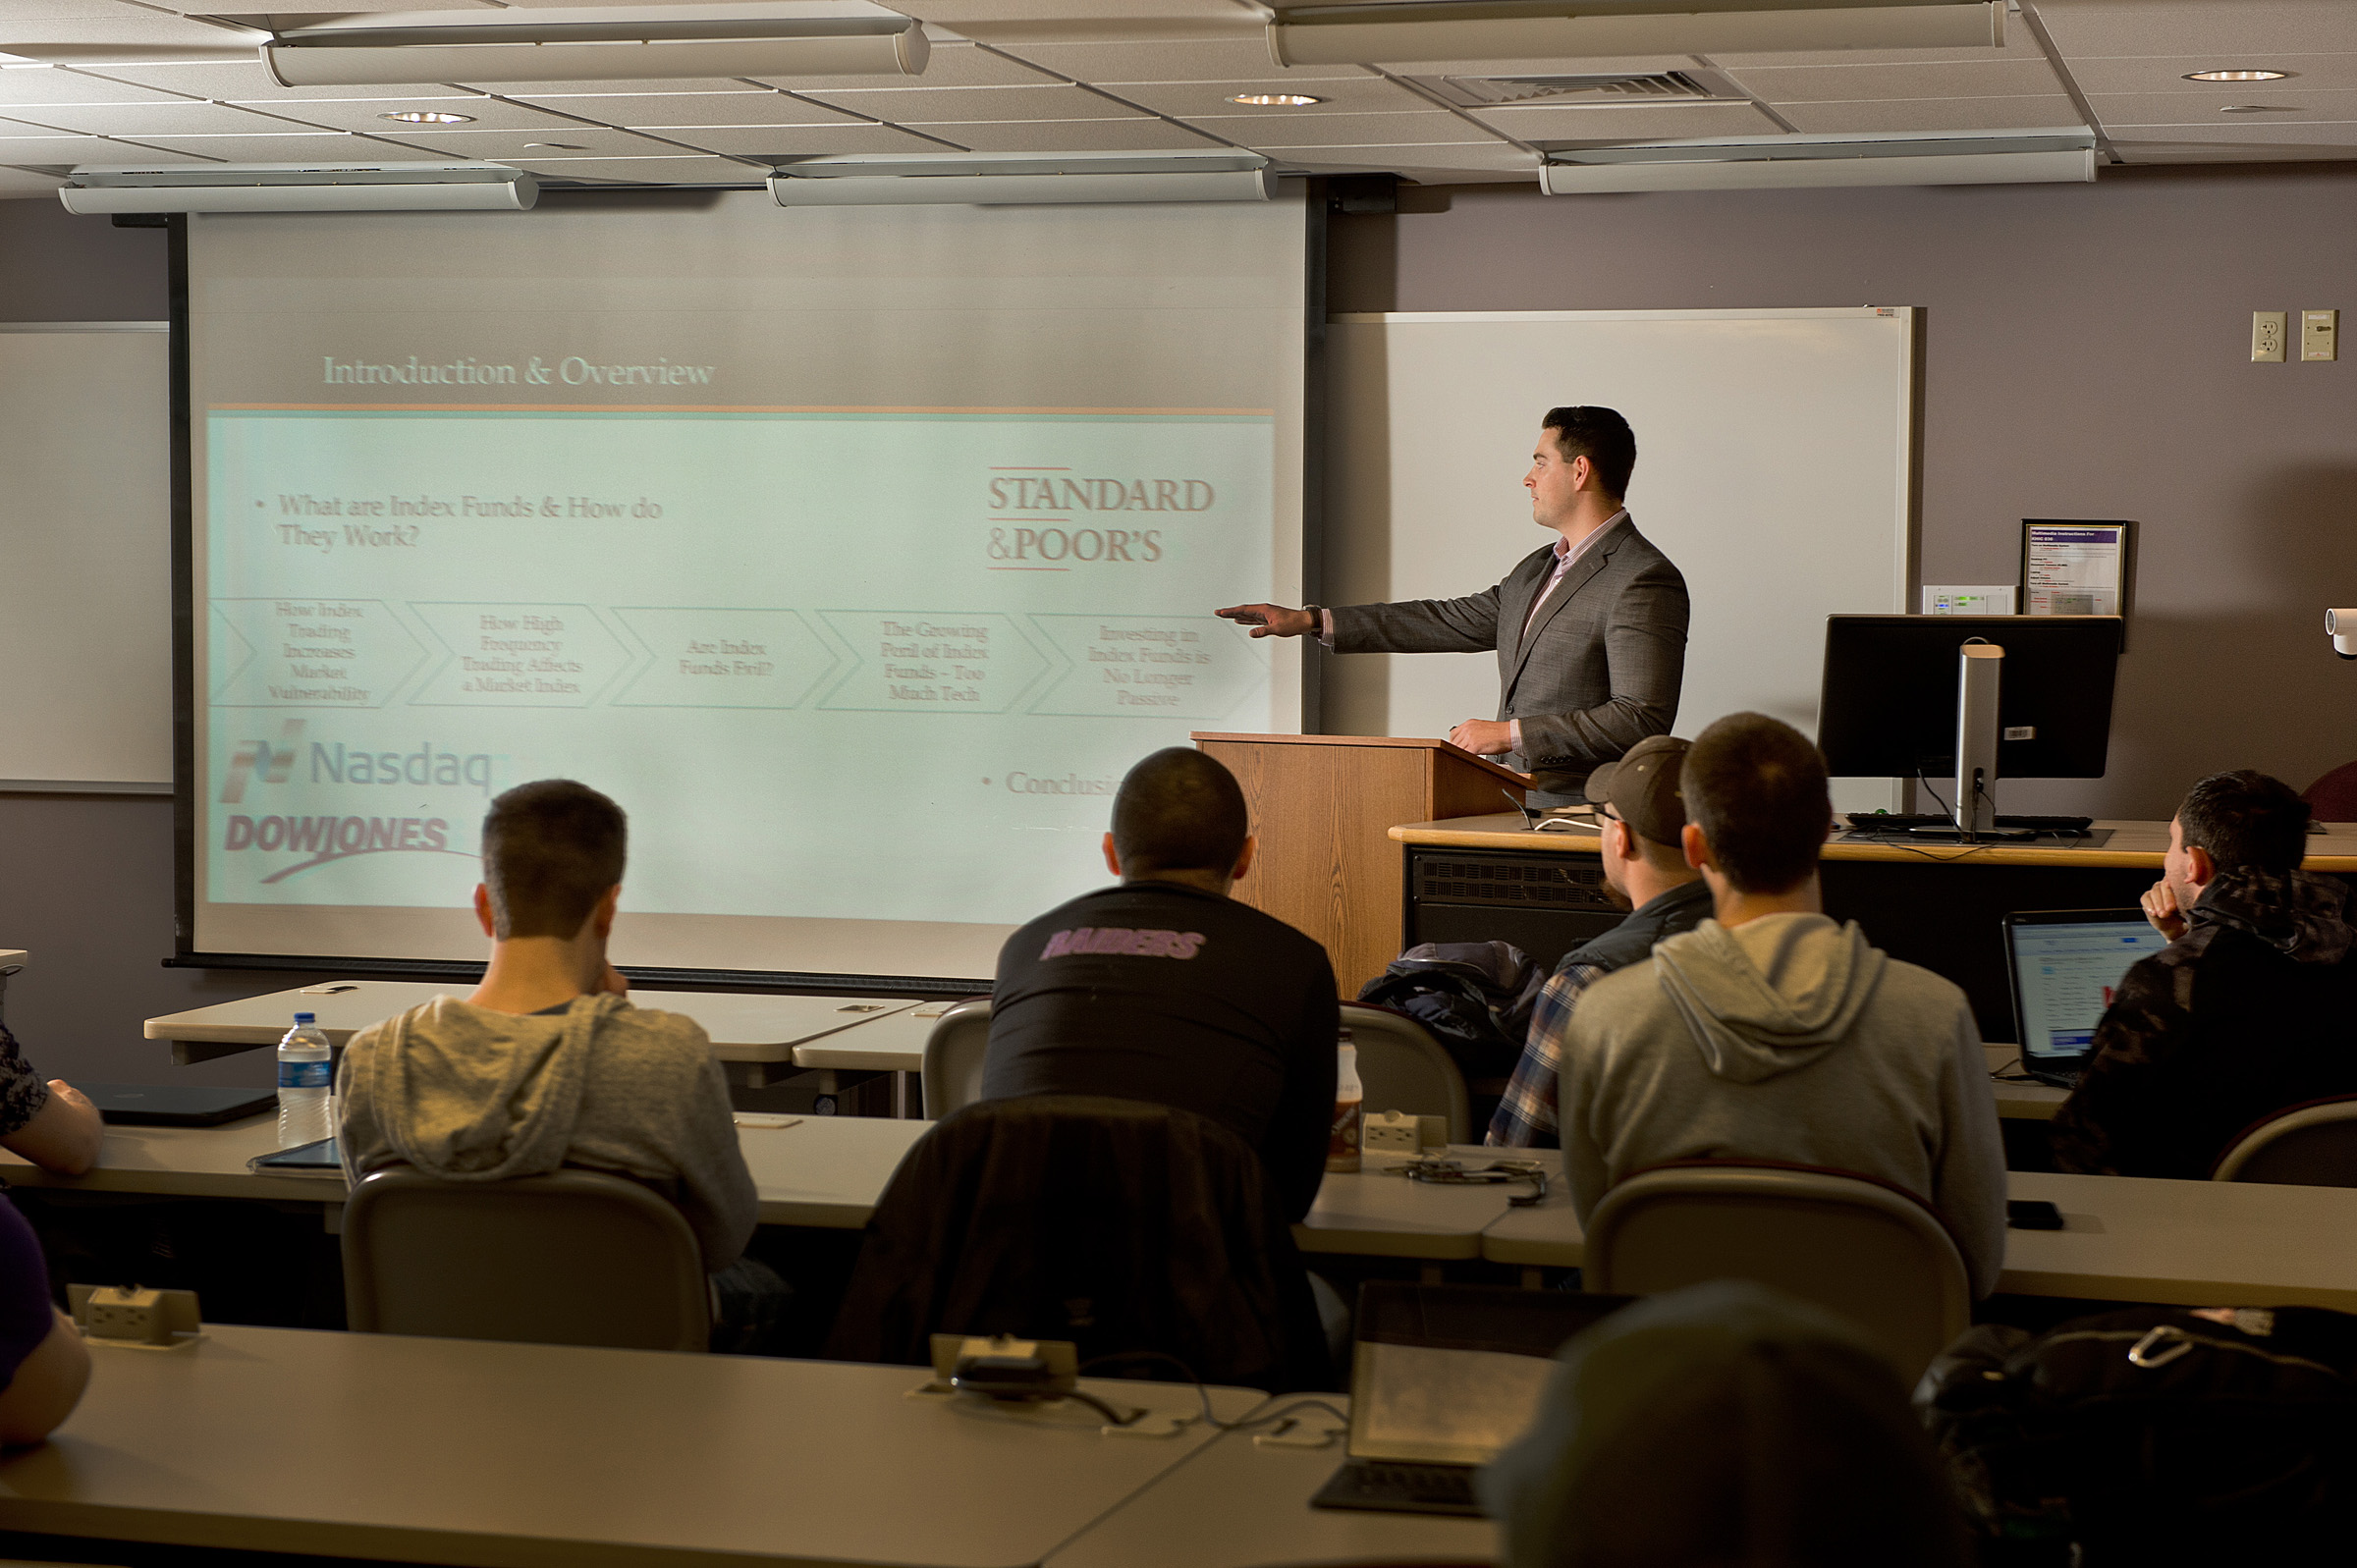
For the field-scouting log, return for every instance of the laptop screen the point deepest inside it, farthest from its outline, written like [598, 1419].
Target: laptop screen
[2067, 965]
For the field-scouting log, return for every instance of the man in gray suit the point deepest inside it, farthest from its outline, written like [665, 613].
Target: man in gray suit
[1590, 632]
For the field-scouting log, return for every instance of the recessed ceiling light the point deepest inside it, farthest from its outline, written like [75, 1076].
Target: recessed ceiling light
[1275, 100]
[2261, 108]
[2236, 75]
[428, 117]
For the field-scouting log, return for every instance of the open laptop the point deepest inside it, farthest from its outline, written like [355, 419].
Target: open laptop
[2066, 966]
[154, 1104]
[1441, 1378]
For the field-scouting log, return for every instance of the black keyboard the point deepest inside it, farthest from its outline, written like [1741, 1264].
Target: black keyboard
[1389, 1486]
[1908, 821]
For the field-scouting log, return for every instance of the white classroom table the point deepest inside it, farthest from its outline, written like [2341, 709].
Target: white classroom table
[1375, 1214]
[2123, 1238]
[501, 1455]
[2020, 1101]
[1236, 1504]
[822, 1171]
[752, 1034]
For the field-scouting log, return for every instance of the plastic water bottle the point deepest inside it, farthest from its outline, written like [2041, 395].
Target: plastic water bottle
[1350, 1098]
[303, 1085]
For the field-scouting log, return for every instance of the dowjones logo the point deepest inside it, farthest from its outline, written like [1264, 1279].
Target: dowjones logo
[338, 835]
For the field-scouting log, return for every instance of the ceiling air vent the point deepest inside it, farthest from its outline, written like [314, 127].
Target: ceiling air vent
[1574, 88]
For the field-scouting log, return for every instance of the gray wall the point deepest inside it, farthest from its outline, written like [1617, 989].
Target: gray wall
[85, 881]
[2086, 356]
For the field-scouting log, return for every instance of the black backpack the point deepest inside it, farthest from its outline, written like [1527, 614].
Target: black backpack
[2155, 1434]
[1475, 997]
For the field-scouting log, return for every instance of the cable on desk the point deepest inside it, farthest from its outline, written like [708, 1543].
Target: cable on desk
[2006, 1074]
[1255, 1417]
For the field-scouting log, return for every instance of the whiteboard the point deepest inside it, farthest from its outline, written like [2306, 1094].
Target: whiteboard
[85, 556]
[1776, 465]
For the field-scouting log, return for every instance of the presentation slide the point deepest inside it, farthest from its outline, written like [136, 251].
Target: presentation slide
[865, 662]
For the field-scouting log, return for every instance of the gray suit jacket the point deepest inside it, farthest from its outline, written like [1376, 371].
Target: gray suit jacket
[1599, 671]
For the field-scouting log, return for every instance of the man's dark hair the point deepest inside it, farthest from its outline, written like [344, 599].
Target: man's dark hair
[1757, 787]
[1179, 810]
[1600, 436]
[551, 850]
[2246, 820]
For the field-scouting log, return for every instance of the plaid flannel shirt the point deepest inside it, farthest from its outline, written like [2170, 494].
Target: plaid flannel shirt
[1528, 1116]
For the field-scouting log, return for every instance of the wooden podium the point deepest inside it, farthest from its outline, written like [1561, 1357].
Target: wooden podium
[1324, 805]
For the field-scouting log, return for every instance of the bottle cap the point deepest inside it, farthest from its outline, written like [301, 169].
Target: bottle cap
[302, 1018]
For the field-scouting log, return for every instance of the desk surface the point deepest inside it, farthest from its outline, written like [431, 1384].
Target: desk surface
[2132, 843]
[2020, 1101]
[1234, 1505]
[744, 1026]
[461, 1452]
[822, 1171]
[1371, 1214]
[893, 1042]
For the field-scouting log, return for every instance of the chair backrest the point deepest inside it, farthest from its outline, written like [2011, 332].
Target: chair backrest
[2310, 1145]
[954, 1051]
[1871, 1252]
[1403, 1068]
[2334, 797]
[572, 1257]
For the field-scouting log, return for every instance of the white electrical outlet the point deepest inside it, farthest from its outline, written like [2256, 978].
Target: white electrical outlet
[2319, 334]
[2268, 331]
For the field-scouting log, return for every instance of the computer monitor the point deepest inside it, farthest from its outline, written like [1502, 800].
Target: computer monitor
[1888, 708]
[2066, 964]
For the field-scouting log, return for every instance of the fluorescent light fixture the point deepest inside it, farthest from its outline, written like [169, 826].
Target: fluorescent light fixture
[1275, 100]
[591, 44]
[1760, 163]
[427, 117]
[2236, 75]
[422, 187]
[995, 179]
[1510, 30]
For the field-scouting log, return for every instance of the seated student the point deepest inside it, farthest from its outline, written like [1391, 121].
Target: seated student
[50, 1124]
[2251, 1007]
[1163, 988]
[547, 1065]
[1771, 1033]
[44, 1362]
[1645, 867]
[1718, 1425]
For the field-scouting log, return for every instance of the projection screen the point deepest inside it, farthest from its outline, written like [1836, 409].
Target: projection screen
[855, 552]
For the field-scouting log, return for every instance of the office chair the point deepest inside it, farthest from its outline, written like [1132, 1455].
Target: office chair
[2334, 797]
[1872, 1251]
[953, 1051]
[1403, 1068]
[572, 1257]
[2309, 1144]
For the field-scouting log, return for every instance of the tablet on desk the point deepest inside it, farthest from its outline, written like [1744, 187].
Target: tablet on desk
[305, 1159]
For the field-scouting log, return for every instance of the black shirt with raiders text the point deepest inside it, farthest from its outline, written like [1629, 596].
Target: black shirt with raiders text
[1156, 992]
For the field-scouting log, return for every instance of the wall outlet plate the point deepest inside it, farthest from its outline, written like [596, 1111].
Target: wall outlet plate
[2268, 332]
[2319, 334]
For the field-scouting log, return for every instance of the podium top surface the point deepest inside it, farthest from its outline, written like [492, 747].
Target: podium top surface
[1394, 742]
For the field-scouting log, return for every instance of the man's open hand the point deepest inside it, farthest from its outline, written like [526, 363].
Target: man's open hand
[1484, 737]
[1271, 621]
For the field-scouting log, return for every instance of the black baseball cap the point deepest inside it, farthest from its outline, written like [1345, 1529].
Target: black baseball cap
[1642, 788]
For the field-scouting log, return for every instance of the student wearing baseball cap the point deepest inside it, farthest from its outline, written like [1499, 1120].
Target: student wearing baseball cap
[1643, 818]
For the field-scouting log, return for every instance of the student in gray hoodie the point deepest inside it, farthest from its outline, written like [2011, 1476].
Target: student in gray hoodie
[547, 1065]
[1771, 1033]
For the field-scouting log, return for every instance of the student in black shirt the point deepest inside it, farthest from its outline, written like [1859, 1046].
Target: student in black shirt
[1163, 988]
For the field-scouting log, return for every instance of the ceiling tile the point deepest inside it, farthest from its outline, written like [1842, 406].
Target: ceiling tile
[69, 9]
[20, 182]
[746, 108]
[2020, 44]
[182, 119]
[2030, 112]
[505, 147]
[1494, 157]
[299, 148]
[907, 105]
[2341, 133]
[1190, 100]
[1199, 61]
[343, 114]
[1071, 135]
[2179, 152]
[26, 84]
[952, 64]
[1648, 122]
[68, 151]
[800, 141]
[1994, 78]
[950, 13]
[133, 27]
[1294, 129]
[605, 90]
[2203, 109]
[246, 82]
[2167, 72]
[2231, 30]
[687, 169]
